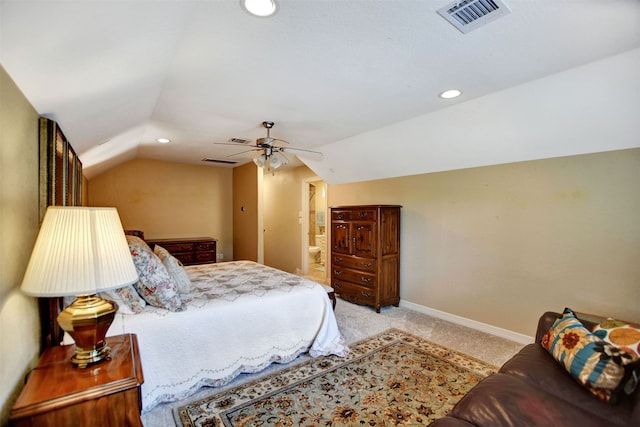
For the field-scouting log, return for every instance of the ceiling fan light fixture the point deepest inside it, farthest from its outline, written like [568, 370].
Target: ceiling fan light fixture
[277, 160]
[261, 8]
[261, 160]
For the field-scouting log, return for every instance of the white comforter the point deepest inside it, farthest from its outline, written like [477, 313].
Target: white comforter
[240, 317]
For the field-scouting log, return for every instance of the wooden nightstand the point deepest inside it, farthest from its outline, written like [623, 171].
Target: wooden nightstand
[105, 394]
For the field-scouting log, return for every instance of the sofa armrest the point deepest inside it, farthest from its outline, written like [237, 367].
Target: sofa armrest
[548, 318]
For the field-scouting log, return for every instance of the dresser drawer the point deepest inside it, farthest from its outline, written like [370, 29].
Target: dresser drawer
[175, 248]
[185, 257]
[205, 247]
[357, 263]
[357, 277]
[353, 293]
[205, 257]
[189, 251]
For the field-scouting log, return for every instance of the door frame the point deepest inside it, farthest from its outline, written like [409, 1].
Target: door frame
[304, 220]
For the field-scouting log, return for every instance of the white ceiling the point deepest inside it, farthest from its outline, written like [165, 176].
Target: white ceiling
[199, 72]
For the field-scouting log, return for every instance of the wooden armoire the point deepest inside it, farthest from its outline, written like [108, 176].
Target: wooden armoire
[365, 254]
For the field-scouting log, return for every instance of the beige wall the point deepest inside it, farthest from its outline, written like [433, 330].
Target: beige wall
[247, 213]
[501, 244]
[19, 224]
[168, 200]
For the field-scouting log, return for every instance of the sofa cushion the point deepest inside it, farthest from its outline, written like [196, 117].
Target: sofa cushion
[506, 400]
[535, 366]
[597, 365]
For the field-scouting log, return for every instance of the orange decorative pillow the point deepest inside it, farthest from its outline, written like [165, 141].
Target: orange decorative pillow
[626, 336]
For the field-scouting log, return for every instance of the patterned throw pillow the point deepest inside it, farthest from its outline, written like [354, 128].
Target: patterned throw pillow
[622, 334]
[175, 268]
[596, 364]
[127, 298]
[155, 284]
[626, 336]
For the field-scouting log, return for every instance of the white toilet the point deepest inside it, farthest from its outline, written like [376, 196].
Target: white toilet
[314, 254]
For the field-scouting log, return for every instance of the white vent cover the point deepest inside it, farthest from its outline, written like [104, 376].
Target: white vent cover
[467, 15]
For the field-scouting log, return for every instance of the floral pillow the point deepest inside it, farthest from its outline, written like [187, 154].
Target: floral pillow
[127, 298]
[175, 268]
[154, 284]
[596, 364]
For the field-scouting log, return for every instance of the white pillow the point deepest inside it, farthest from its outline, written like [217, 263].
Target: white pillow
[175, 268]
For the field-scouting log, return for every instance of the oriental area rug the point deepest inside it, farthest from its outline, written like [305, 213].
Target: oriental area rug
[393, 378]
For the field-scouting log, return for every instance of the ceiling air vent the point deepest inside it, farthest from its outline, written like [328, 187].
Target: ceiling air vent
[467, 15]
[240, 140]
[226, 162]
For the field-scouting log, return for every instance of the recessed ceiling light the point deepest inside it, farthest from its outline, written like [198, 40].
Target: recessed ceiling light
[163, 140]
[260, 8]
[451, 93]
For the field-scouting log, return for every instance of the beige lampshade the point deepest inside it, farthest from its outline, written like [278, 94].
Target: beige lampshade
[79, 250]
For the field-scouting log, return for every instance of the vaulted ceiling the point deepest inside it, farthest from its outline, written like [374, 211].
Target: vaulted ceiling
[117, 75]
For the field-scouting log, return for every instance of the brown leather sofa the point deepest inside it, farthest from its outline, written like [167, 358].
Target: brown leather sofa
[532, 389]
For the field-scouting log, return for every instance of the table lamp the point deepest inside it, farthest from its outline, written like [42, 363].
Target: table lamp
[81, 251]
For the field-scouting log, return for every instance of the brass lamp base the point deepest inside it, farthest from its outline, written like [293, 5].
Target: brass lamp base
[87, 320]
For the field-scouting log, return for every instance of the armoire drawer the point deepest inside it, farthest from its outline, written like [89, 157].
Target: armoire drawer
[353, 293]
[354, 262]
[357, 277]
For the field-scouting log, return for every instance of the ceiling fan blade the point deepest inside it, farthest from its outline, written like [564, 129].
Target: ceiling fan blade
[318, 153]
[235, 144]
[245, 151]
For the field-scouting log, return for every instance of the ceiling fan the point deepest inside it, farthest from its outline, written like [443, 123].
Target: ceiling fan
[272, 154]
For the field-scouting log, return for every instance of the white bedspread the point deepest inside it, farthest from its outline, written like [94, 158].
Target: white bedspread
[240, 317]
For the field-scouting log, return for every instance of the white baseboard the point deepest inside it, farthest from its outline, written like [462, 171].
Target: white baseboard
[463, 321]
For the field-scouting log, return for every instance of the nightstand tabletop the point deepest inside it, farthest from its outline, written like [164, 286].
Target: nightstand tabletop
[56, 382]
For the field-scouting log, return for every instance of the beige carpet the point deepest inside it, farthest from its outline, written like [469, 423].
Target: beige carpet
[357, 323]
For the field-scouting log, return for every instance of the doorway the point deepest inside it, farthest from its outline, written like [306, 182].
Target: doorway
[314, 229]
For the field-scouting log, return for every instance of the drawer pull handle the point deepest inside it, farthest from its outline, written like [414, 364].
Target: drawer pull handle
[365, 279]
[337, 272]
[366, 264]
[366, 295]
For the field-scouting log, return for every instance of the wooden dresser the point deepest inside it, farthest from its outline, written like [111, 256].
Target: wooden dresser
[193, 250]
[102, 395]
[365, 254]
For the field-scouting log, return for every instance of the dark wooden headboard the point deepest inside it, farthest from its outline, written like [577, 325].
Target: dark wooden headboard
[60, 183]
[51, 333]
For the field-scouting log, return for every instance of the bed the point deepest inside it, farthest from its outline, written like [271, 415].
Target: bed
[230, 318]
